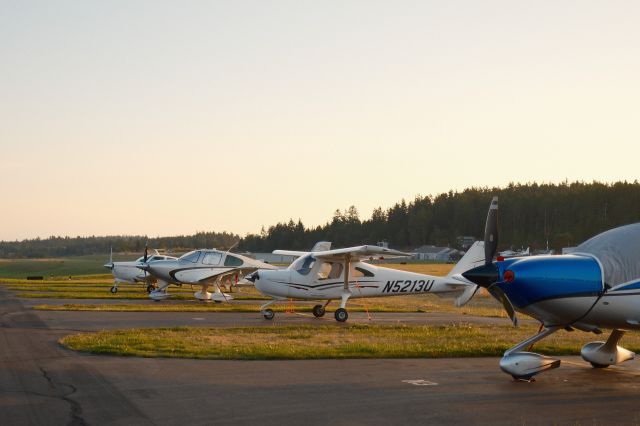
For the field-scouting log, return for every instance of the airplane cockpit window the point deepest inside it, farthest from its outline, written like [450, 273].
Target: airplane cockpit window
[330, 270]
[192, 256]
[232, 261]
[361, 272]
[211, 258]
[303, 264]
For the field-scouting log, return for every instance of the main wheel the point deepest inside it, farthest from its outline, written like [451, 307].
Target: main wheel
[594, 365]
[268, 314]
[150, 288]
[341, 315]
[114, 289]
[318, 311]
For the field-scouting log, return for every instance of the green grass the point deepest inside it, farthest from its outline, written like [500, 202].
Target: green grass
[60, 267]
[200, 307]
[98, 286]
[326, 341]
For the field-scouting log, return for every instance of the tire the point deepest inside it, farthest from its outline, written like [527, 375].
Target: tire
[268, 314]
[594, 365]
[114, 289]
[150, 288]
[528, 378]
[318, 311]
[341, 315]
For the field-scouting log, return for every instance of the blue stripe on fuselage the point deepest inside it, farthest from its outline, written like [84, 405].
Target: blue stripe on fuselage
[630, 286]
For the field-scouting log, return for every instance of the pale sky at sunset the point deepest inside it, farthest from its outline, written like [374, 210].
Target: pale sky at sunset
[171, 117]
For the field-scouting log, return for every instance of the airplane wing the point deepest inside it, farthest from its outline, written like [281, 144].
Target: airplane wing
[223, 273]
[359, 253]
[290, 253]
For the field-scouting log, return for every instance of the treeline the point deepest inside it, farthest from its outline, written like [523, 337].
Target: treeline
[78, 246]
[531, 214]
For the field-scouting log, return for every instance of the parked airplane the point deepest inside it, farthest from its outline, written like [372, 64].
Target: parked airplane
[201, 267]
[515, 253]
[128, 272]
[325, 274]
[594, 288]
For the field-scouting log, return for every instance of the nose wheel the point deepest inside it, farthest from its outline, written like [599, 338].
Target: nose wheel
[341, 315]
[318, 311]
[268, 314]
[114, 289]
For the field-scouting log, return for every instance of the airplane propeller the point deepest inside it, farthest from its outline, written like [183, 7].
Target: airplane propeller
[252, 277]
[487, 275]
[145, 258]
[110, 265]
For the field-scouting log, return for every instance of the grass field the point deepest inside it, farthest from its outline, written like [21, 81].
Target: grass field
[327, 341]
[60, 267]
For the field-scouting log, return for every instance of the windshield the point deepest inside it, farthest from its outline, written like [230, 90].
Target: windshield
[303, 264]
[192, 256]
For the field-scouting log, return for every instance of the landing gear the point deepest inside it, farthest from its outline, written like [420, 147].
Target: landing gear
[604, 354]
[268, 314]
[522, 365]
[114, 289]
[318, 311]
[341, 315]
[150, 288]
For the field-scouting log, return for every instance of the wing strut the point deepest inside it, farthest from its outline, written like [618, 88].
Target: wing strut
[347, 267]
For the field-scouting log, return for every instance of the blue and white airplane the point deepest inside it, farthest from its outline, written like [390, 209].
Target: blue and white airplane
[597, 287]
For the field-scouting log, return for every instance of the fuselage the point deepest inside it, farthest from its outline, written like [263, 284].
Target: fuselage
[569, 290]
[129, 272]
[199, 266]
[307, 278]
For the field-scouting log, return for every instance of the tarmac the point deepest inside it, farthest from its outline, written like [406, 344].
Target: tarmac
[42, 383]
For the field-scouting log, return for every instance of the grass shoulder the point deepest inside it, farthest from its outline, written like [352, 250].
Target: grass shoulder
[324, 341]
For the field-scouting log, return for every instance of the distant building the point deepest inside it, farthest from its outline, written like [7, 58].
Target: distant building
[437, 254]
[465, 241]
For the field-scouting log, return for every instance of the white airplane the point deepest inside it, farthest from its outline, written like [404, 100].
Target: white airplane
[128, 272]
[515, 253]
[325, 274]
[201, 267]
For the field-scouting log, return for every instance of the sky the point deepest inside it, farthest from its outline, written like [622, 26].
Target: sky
[171, 117]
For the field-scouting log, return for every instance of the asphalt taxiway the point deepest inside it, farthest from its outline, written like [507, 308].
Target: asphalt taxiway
[42, 383]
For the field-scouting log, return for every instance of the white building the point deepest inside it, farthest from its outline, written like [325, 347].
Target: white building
[437, 254]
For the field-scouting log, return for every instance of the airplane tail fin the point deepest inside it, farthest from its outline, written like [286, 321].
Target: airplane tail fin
[472, 258]
[322, 246]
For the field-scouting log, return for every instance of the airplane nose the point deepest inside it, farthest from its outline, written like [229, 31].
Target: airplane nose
[108, 265]
[484, 275]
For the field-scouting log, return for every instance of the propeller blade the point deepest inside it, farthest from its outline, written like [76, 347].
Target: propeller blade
[499, 294]
[146, 252]
[252, 277]
[491, 232]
